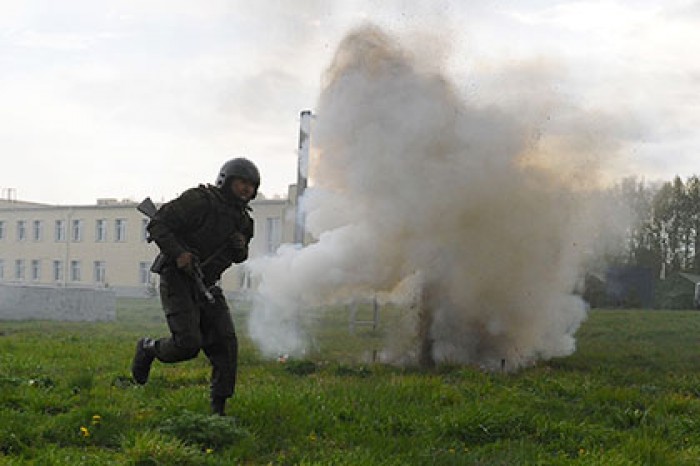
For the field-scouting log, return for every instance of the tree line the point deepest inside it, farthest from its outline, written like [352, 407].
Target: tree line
[662, 228]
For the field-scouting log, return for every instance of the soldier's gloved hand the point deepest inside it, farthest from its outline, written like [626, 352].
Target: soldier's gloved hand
[239, 241]
[185, 261]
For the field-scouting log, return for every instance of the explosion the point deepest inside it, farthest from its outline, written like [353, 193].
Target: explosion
[471, 210]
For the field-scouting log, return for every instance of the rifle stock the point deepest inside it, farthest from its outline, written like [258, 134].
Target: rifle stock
[147, 207]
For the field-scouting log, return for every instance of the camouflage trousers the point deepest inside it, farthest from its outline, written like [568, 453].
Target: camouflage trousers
[197, 324]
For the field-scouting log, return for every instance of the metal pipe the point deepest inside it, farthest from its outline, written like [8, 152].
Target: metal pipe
[302, 174]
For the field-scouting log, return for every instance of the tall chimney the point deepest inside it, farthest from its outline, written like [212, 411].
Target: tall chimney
[302, 174]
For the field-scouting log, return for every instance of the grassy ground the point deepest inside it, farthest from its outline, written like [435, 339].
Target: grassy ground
[628, 396]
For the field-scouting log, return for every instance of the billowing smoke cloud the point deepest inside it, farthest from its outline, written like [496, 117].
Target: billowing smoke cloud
[467, 215]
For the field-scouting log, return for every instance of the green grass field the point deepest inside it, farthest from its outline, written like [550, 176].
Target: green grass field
[630, 395]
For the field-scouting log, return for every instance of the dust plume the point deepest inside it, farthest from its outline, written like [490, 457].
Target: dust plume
[467, 214]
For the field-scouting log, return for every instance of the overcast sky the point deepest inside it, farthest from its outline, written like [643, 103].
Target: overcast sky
[126, 99]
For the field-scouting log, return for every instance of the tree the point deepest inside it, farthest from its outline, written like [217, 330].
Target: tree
[692, 187]
[640, 244]
[665, 225]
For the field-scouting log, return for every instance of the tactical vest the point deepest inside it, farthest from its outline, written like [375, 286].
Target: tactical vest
[218, 224]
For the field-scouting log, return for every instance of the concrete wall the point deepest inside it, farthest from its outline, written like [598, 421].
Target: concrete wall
[55, 303]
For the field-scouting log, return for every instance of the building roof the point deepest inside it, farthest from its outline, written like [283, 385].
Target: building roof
[21, 206]
[15, 204]
[107, 203]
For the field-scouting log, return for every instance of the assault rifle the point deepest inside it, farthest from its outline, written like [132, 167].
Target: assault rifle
[148, 208]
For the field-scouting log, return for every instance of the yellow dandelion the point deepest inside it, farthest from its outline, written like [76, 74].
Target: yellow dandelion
[209, 451]
[96, 419]
[84, 431]
[312, 437]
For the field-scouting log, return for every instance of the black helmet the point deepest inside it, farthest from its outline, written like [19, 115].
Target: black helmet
[238, 168]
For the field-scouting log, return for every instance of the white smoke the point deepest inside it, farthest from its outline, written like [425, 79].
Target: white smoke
[471, 210]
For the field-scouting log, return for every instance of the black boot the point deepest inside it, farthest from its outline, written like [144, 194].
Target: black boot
[145, 354]
[218, 405]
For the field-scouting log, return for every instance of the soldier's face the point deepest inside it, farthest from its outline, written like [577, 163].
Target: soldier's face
[243, 189]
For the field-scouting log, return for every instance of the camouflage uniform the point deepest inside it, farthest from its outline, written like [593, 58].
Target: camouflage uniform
[202, 220]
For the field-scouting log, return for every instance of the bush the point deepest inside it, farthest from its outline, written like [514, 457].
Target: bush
[361, 371]
[303, 367]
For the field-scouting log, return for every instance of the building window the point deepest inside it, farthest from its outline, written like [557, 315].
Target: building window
[101, 230]
[60, 232]
[36, 270]
[144, 229]
[75, 271]
[37, 230]
[120, 230]
[144, 273]
[58, 271]
[2, 269]
[2, 229]
[77, 230]
[21, 230]
[99, 272]
[273, 235]
[19, 269]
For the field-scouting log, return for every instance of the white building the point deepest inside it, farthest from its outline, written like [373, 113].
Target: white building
[104, 245]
